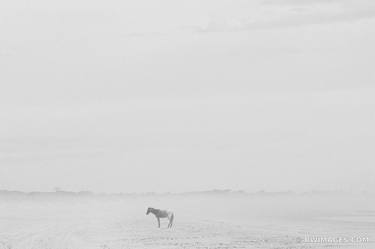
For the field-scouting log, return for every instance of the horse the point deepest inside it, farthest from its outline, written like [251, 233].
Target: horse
[161, 214]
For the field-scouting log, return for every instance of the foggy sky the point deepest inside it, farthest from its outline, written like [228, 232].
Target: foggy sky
[187, 95]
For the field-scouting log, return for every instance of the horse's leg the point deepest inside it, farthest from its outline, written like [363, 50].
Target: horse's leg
[172, 217]
[158, 221]
[169, 222]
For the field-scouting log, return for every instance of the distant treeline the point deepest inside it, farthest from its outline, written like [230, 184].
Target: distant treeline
[214, 192]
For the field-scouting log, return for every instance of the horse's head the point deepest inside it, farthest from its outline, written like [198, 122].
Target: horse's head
[148, 210]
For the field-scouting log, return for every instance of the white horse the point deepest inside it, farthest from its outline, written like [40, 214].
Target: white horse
[161, 214]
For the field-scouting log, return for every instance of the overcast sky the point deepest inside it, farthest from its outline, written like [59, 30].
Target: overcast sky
[177, 95]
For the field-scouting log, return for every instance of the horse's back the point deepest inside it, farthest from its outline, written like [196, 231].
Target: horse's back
[163, 214]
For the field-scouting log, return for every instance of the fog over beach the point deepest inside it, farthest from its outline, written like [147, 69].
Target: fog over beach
[250, 121]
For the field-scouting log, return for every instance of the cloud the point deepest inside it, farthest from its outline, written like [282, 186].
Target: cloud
[299, 2]
[291, 20]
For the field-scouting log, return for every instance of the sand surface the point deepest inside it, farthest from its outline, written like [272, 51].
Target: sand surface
[200, 222]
